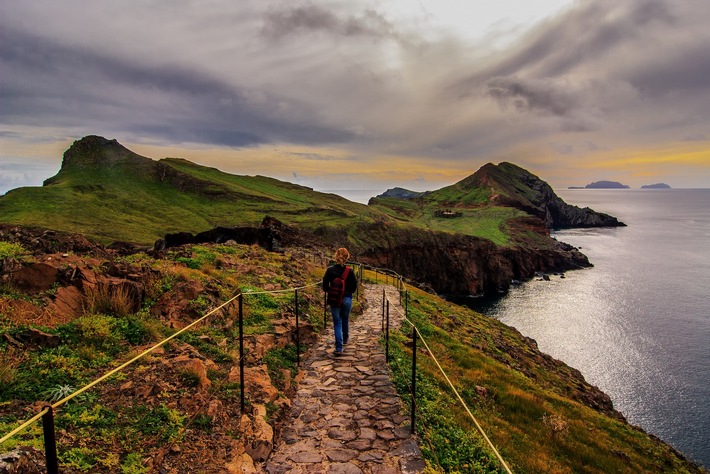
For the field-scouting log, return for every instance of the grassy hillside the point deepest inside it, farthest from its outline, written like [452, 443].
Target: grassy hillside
[528, 403]
[535, 409]
[109, 193]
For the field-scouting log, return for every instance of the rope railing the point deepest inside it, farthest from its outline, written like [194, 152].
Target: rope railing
[416, 334]
[46, 414]
[456, 392]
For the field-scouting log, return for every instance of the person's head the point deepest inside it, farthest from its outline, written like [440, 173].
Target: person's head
[341, 256]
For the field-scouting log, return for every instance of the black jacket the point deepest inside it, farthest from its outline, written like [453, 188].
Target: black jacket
[335, 271]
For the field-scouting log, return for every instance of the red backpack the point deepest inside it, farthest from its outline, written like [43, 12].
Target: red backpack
[337, 289]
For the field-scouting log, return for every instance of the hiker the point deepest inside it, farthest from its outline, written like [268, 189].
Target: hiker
[339, 282]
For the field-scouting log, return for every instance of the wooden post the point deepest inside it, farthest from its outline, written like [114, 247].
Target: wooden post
[414, 376]
[387, 334]
[50, 442]
[241, 354]
[298, 332]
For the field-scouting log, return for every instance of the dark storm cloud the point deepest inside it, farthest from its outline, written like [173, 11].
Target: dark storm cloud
[49, 83]
[604, 63]
[250, 72]
[534, 96]
[286, 21]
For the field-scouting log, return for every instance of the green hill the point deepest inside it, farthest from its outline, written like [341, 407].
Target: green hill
[498, 218]
[486, 204]
[107, 192]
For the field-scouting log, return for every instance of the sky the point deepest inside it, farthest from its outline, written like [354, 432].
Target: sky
[364, 95]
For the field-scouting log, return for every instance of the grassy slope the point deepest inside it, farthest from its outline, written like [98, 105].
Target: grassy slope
[109, 429]
[123, 199]
[475, 351]
[127, 203]
[477, 218]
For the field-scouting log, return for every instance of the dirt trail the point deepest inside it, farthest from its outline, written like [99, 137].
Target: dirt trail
[347, 417]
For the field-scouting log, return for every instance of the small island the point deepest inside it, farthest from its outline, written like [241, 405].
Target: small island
[656, 186]
[606, 185]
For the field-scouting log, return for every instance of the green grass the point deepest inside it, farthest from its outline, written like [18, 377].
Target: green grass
[139, 200]
[131, 203]
[106, 436]
[520, 396]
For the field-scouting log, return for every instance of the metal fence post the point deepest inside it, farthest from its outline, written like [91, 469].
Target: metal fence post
[241, 353]
[387, 334]
[399, 287]
[414, 376]
[383, 310]
[50, 442]
[298, 333]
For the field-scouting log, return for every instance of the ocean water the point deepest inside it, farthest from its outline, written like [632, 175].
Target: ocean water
[637, 324]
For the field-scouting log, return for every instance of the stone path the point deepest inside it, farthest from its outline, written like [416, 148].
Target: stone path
[347, 417]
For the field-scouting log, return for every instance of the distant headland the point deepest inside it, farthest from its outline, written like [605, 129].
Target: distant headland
[606, 185]
[617, 185]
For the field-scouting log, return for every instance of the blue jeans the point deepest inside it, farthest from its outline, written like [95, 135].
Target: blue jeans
[341, 322]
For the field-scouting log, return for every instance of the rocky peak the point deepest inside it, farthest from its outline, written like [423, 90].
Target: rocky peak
[514, 186]
[95, 151]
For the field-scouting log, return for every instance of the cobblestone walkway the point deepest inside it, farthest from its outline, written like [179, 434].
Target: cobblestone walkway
[347, 417]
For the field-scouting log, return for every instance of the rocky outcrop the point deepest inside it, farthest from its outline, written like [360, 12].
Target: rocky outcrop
[516, 187]
[23, 460]
[43, 241]
[460, 265]
[272, 235]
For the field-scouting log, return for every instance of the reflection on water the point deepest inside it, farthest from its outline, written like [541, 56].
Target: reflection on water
[637, 325]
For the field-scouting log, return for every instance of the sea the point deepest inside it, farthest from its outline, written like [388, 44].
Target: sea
[636, 324]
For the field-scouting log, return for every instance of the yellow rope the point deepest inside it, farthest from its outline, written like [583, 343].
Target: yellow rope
[139, 356]
[142, 354]
[23, 425]
[249, 292]
[480, 429]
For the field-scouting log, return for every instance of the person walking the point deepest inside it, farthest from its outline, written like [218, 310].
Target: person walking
[339, 282]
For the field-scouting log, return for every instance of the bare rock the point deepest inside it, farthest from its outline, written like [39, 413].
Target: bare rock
[24, 460]
[35, 278]
[37, 338]
[258, 434]
[68, 303]
[257, 383]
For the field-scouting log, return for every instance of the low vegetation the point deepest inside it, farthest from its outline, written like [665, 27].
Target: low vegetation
[130, 421]
[524, 406]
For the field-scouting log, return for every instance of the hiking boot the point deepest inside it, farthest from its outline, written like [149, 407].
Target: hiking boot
[337, 353]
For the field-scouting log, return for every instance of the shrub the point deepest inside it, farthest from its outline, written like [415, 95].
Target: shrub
[11, 250]
[9, 361]
[133, 465]
[107, 299]
[57, 393]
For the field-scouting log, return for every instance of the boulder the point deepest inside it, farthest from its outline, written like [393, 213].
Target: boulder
[37, 338]
[23, 460]
[257, 383]
[35, 278]
[68, 303]
[258, 434]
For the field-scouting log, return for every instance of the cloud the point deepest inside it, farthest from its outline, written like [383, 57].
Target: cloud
[284, 21]
[538, 96]
[320, 74]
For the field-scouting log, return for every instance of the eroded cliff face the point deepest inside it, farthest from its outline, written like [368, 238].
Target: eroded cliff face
[461, 265]
[523, 190]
